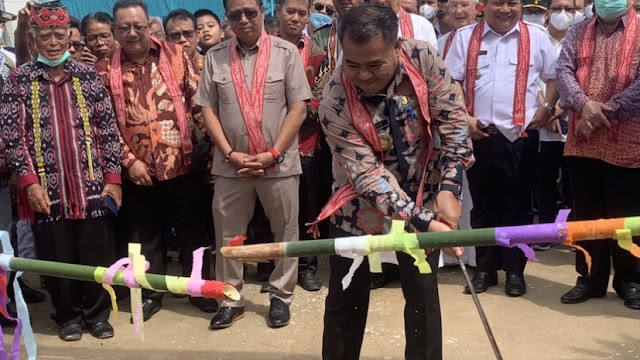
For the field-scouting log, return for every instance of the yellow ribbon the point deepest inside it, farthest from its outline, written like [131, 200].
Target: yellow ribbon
[98, 276]
[625, 241]
[394, 241]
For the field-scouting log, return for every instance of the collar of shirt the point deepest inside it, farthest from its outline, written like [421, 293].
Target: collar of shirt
[488, 29]
[250, 50]
[620, 25]
[154, 50]
[38, 70]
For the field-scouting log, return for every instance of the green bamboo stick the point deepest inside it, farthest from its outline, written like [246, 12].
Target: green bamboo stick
[86, 273]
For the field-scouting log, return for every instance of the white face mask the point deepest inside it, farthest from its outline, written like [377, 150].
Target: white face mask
[428, 11]
[578, 17]
[561, 20]
[1, 34]
[588, 11]
[534, 18]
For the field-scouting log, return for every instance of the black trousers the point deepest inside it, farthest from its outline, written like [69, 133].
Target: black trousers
[501, 181]
[145, 211]
[85, 242]
[602, 190]
[314, 192]
[345, 314]
[548, 190]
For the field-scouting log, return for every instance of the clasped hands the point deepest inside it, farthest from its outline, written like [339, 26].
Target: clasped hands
[251, 165]
[593, 118]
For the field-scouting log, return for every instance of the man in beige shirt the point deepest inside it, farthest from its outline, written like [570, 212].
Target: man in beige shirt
[244, 79]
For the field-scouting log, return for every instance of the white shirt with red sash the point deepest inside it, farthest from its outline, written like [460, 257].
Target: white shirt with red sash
[422, 30]
[496, 73]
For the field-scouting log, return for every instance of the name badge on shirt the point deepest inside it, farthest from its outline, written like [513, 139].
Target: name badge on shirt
[483, 52]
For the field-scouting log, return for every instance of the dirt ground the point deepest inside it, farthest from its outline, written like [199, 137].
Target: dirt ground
[533, 327]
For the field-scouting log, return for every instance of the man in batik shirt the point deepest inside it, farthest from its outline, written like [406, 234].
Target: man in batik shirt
[62, 142]
[152, 84]
[398, 133]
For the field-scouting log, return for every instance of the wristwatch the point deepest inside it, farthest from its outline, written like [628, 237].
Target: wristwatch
[550, 107]
[456, 189]
[276, 155]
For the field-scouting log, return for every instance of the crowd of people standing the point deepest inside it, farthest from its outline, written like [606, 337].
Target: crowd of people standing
[333, 117]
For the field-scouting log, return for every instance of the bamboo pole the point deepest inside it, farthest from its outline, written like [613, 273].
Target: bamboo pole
[558, 232]
[86, 273]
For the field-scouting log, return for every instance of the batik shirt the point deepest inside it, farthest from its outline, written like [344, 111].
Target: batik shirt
[318, 75]
[151, 127]
[388, 188]
[5, 70]
[72, 193]
[620, 144]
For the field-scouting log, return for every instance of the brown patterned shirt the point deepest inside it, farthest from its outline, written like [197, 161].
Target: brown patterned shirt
[389, 188]
[152, 127]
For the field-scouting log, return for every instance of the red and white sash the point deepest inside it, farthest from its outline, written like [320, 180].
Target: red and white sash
[252, 102]
[406, 24]
[522, 73]
[177, 97]
[625, 74]
[363, 123]
[447, 45]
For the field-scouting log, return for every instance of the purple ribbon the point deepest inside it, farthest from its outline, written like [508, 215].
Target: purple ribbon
[520, 236]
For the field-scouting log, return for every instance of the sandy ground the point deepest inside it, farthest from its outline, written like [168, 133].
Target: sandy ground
[535, 326]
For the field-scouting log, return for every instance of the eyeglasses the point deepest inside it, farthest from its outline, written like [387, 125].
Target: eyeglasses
[462, 6]
[94, 38]
[236, 16]
[320, 6]
[124, 30]
[78, 45]
[175, 36]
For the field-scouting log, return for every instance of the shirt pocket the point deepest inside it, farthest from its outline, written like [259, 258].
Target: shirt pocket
[513, 69]
[225, 89]
[484, 74]
[274, 87]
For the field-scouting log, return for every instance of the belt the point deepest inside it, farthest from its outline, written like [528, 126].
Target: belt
[491, 130]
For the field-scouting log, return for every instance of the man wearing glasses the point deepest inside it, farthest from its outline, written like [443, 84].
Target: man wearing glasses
[324, 7]
[152, 85]
[253, 96]
[180, 27]
[77, 46]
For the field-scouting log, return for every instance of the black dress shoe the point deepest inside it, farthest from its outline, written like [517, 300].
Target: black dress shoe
[378, 280]
[579, 294]
[204, 304]
[515, 285]
[102, 330]
[149, 308]
[481, 281]
[278, 314]
[226, 317]
[630, 294]
[309, 281]
[72, 332]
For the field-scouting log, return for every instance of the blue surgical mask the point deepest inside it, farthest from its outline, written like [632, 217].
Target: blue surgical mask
[54, 63]
[611, 9]
[319, 20]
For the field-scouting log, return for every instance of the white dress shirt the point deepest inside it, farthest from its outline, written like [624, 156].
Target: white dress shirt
[497, 62]
[546, 135]
[422, 30]
[442, 43]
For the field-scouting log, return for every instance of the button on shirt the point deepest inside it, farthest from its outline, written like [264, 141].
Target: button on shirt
[497, 62]
[286, 84]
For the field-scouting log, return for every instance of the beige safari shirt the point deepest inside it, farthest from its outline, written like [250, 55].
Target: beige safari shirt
[286, 84]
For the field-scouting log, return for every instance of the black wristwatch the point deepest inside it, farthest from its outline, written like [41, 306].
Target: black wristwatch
[456, 189]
